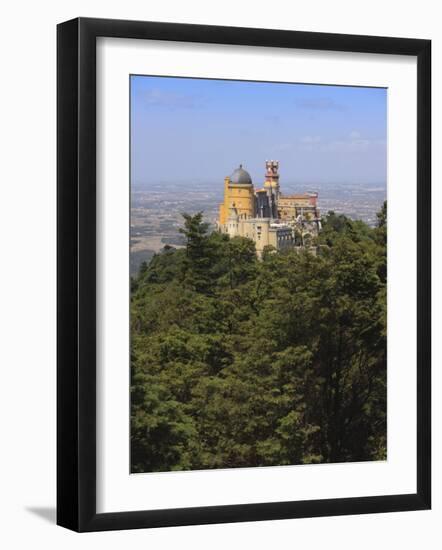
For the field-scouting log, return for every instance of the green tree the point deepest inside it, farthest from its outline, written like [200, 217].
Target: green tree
[198, 257]
[238, 362]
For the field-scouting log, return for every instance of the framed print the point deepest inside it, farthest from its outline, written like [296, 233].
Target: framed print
[243, 274]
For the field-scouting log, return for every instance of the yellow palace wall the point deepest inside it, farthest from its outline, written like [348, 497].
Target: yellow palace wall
[240, 195]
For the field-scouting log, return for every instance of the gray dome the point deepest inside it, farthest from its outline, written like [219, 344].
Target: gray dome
[241, 176]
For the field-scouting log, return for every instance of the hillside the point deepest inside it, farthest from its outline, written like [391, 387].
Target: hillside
[237, 362]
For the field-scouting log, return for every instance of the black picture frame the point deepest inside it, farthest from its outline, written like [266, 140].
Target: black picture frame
[76, 273]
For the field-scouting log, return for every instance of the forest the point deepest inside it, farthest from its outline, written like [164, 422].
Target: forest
[242, 362]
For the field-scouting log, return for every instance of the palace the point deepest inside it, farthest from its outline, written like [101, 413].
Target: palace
[267, 216]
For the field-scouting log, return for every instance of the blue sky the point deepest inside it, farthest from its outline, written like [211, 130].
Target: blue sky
[186, 129]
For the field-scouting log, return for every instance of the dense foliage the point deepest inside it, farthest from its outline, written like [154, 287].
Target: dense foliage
[238, 362]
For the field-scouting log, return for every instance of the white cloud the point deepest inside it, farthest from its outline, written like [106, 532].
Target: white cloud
[310, 139]
[353, 143]
[319, 104]
[283, 147]
[347, 146]
[171, 100]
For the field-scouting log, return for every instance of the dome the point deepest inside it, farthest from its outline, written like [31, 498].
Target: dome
[241, 176]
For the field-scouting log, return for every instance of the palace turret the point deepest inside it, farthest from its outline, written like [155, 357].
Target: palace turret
[267, 216]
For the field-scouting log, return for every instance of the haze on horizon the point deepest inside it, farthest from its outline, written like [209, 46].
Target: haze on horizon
[185, 129]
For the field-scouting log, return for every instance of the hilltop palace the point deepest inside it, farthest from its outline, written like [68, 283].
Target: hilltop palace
[266, 216]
